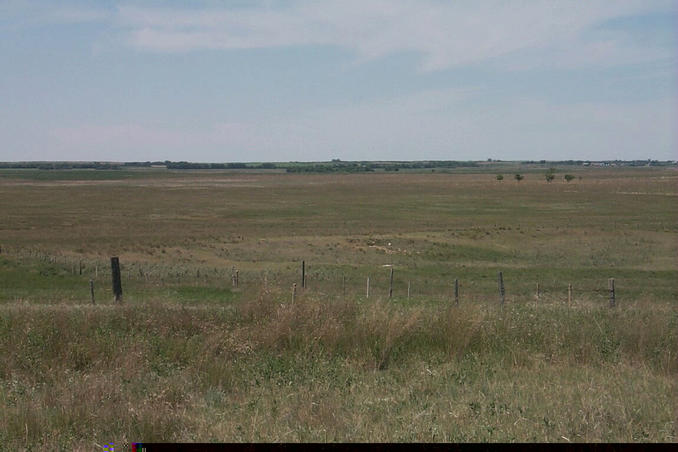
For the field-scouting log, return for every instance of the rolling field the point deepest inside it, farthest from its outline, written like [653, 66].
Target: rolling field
[190, 357]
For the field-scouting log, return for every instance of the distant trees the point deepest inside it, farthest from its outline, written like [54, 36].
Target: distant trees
[234, 165]
[190, 165]
[519, 177]
[61, 165]
[340, 166]
[334, 166]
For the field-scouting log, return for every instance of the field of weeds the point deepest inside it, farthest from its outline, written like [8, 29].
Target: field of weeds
[188, 356]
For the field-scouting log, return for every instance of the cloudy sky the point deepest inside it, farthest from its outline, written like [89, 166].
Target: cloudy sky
[222, 81]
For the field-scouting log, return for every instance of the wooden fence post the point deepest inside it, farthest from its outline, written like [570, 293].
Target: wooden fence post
[117, 283]
[294, 292]
[569, 294]
[80, 268]
[536, 295]
[390, 286]
[367, 293]
[456, 291]
[501, 288]
[237, 278]
[408, 290]
[343, 286]
[610, 285]
[91, 290]
[303, 274]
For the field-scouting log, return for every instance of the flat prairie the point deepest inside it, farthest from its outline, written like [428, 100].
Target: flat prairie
[189, 355]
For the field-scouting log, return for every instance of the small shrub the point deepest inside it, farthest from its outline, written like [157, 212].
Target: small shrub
[500, 177]
[519, 177]
[568, 177]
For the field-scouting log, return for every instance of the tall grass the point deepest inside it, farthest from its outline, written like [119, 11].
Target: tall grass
[334, 370]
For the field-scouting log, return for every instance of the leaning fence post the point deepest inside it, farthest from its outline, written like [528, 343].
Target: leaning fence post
[610, 285]
[501, 288]
[456, 291]
[91, 290]
[117, 283]
[390, 286]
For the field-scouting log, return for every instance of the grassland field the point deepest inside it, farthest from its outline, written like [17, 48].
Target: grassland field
[189, 357]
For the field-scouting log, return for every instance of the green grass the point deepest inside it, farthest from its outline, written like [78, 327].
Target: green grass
[71, 175]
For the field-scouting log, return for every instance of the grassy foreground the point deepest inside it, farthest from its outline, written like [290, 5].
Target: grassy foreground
[77, 376]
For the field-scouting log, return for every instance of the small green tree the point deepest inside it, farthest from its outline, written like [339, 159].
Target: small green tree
[568, 177]
[518, 177]
[550, 175]
[500, 177]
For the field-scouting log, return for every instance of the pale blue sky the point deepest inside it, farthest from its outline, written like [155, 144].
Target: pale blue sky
[224, 81]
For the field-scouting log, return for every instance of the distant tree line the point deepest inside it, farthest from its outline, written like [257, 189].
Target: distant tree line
[189, 165]
[337, 166]
[648, 162]
[330, 167]
[334, 166]
[60, 165]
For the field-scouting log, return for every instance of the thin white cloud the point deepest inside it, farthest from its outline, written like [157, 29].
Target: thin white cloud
[446, 34]
[443, 124]
[17, 13]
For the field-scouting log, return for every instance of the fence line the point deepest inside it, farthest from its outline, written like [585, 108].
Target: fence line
[176, 273]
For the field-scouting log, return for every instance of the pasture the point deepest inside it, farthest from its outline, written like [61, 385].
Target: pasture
[188, 356]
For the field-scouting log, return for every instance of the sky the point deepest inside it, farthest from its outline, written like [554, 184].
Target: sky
[244, 81]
